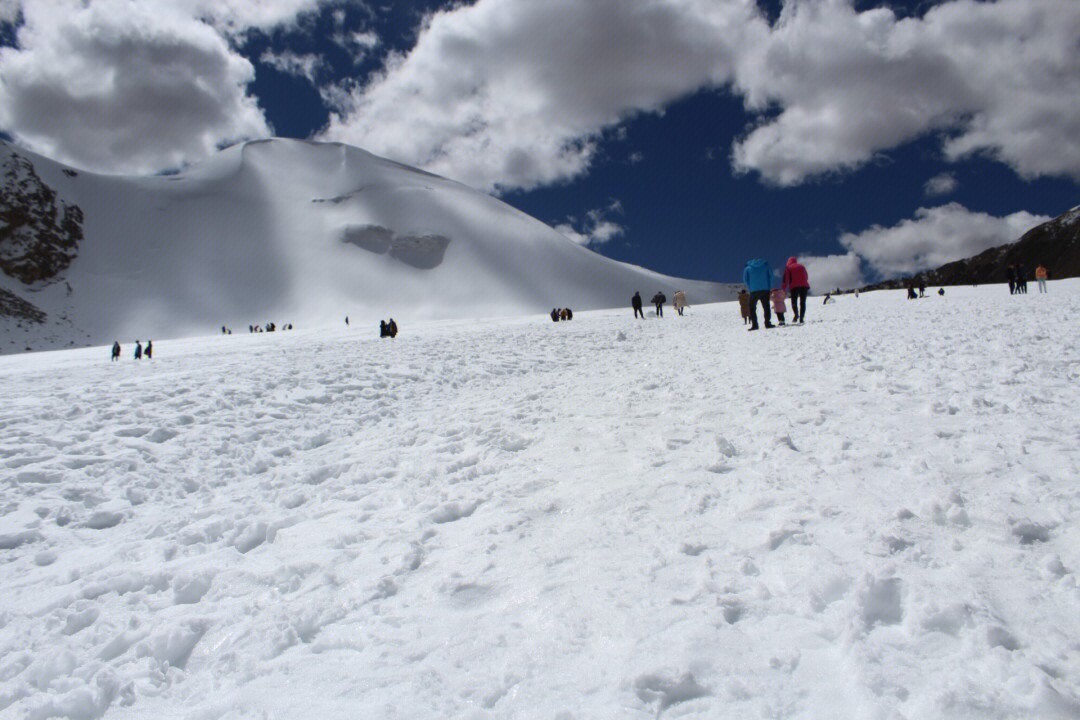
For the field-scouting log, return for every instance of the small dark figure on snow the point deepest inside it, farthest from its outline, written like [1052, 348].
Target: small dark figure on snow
[555, 314]
[911, 292]
[941, 291]
[223, 331]
[138, 350]
[922, 290]
[1010, 276]
[392, 327]
[384, 329]
[744, 306]
[635, 302]
[569, 314]
[346, 321]
[658, 300]
[828, 298]
[564, 314]
[149, 349]
[116, 350]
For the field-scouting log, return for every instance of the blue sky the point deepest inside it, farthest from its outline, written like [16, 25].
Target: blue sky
[872, 138]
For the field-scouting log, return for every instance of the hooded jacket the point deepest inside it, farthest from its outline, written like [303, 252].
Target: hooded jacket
[757, 276]
[795, 275]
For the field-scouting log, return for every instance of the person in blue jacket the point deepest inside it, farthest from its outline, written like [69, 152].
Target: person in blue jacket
[758, 279]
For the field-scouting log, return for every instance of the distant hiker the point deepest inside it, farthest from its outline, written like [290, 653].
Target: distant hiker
[911, 291]
[563, 314]
[1041, 275]
[138, 350]
[679, 302]
[777, 297]
[384, 331]
[223, 332]
[569, 314]
[149, 349]
[116, 350]
[392, 327]
[941, 292]
[797, 285]
[744, 305]
[1010, 275]
[635, 302]
[346, 321]
[554, 314]
[1021, 279]
[658, 300]
[757, 276]
[828, 297]
[251, 328]
[922, 289]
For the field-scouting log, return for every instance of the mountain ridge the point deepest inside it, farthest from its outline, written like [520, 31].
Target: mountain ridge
[303, 232]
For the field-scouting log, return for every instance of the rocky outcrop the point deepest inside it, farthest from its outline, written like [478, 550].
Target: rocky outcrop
[39, 233]
[1055, 244]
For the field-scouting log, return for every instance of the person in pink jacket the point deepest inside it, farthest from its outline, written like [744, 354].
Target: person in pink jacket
[797, 284]
[777, 297]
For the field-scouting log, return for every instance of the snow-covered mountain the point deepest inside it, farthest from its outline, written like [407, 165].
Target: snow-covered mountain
[278, 231]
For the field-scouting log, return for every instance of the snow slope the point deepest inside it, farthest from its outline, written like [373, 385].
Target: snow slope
[302, 232]
[871, 516]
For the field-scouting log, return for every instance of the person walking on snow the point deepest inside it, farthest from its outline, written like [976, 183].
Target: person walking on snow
[658, 300]
[635, 302]
[757, 276]
[138, 350]
[1040, 275]
[797, 285]
[149, 350]
[777, 297]
[116, 350]
[680, 302]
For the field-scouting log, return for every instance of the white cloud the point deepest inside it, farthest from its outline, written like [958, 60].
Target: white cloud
[934, 237]
[942, 184]
[123, 87]
[828, 272]
[9, 10]
[134, 85]
[1002, 77]
[306, 66]
[597, 229]
[515, 93]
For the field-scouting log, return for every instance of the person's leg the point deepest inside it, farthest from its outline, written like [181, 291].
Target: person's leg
[753, 313]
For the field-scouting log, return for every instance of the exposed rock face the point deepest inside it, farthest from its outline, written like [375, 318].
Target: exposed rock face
[39, 234]
[1055, 244]
[11, 305]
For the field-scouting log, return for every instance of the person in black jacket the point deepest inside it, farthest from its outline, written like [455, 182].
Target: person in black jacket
[116, 350]
[658, 300]
[138, 350]
[635, 302]
[149, 352]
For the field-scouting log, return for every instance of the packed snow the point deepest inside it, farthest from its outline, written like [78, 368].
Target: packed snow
[870, 516]
[290, 231]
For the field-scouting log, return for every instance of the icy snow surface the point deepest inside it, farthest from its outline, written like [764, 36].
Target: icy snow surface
[872, 516]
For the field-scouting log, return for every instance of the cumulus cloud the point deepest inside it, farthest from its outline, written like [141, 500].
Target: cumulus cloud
[516, 93]
[942, 184]
[934, 237]
[596, 229]
[838, 86]
[306, 66]
[133, 85]
[827, 272]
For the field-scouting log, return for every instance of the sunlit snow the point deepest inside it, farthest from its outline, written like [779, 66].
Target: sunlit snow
[871, 516]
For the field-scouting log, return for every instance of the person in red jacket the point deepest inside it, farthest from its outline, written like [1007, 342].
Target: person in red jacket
[797, 284]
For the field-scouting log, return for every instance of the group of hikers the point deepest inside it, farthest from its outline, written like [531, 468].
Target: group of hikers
[387, 329]
[759, 281]
[148, 351]
[558, 314]
[658, 300]
[1017, 276]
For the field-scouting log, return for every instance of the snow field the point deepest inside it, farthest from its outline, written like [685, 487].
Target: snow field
[871, 516]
